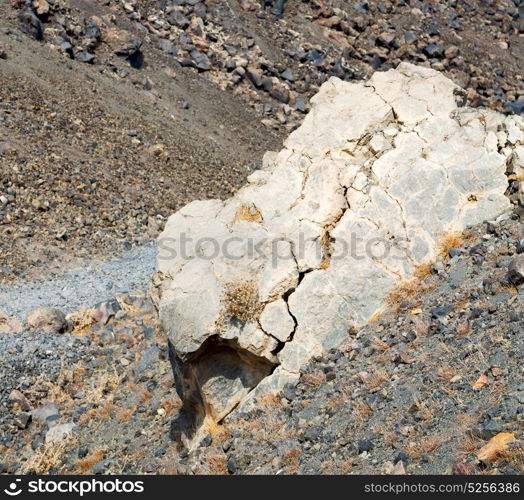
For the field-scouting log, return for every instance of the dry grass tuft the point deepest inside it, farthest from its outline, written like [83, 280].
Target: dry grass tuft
[408, 292]
[248, 213]
[424, 447]
[421, 327]
[104, 412]
[290, 457]
[241, 302]
[82, 321]
[513, 456]
[325, 243]
[217, 464]
[143, 395]
[336, 466]
[463, 329]
[375, 380]
[345, 465]
[84, 465]
[267, 429]
[269, 400]
[169, 407]
[314, 379]
[468, 420]
[468, 444]
[455, 240]
[379, 344]
[54, 392]
[125, 414]
[105, 384]
[423, 270]
[361, 411]
[47, 457]
[219, 432]
[426, 411]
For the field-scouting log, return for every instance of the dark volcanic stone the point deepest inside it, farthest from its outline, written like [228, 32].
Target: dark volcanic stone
[434, 50]
[516, 107]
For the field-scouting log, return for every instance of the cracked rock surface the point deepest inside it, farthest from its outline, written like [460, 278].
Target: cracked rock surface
[362, 195]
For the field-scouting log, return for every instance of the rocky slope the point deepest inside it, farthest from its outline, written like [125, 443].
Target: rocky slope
[93, 159]
[176, 101]
[420, 390]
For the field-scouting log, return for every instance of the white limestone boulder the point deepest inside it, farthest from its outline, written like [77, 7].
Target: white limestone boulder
[362, 193]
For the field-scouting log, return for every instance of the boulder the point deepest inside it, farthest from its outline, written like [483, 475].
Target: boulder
[47, 320]
[122, 42]
[41, 7]
[362, 194]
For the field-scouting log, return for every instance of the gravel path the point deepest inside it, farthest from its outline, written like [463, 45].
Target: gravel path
[79, 288]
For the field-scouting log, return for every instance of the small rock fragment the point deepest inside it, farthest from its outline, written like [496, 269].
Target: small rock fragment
[516, 270]
[488, 453]
[17, 397]
[47, 320]
[59, 432]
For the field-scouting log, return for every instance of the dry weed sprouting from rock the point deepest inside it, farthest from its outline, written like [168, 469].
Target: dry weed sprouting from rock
[241, 302]
[249, 213]
[269, 402]
[423, 270]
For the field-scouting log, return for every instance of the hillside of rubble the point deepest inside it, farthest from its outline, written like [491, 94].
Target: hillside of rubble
[115, 115]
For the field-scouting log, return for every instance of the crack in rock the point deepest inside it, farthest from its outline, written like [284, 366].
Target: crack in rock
[362, 193]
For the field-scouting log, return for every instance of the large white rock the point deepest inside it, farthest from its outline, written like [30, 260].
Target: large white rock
[362, 193]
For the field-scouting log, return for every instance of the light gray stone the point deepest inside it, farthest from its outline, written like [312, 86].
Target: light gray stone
[59, 432]
[362, 193]
[276, 320]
